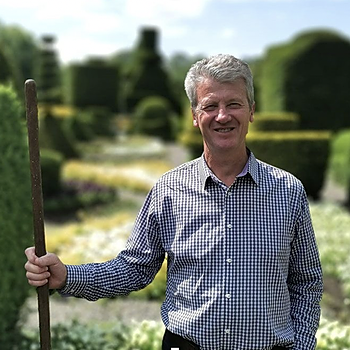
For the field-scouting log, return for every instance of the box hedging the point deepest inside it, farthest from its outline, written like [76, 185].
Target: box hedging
[52, 135]
[153, 117]
[51, 165]
[302, 153]
[94, 84]
[191, 136]
[15, 215]
[146, 74]
[275, 121]
[309, 76]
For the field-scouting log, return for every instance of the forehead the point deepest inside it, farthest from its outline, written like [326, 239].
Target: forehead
[209, 89]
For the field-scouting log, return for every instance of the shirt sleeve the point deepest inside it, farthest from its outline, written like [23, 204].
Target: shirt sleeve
[305, 281]
[133, 269]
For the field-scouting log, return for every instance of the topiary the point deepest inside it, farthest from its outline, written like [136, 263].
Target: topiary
[275, 121]
[55, 137]
[308, 76]
[15, 215]
[153, 117]
[51, 166]
[303, 153]
[190, 136]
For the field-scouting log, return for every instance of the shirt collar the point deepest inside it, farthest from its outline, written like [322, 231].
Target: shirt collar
[251, 168]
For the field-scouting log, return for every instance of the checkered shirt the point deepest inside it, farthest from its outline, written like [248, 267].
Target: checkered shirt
[243, 264]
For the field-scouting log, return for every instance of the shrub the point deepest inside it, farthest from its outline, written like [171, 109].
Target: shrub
[298, 76]
[275, 121]
[94, 83]
[98, 120]
[51, 164]
[146, 75]
[15, 214]
[153, 117]
[303, 153]
[190, 136]
[53, 136]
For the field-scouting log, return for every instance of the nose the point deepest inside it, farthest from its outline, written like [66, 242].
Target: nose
[223, 115]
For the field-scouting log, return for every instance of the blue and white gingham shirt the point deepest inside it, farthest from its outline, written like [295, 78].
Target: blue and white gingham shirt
[243, 265]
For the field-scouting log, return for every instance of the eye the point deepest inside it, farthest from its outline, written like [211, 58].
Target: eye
[209, 108]
[233, 105]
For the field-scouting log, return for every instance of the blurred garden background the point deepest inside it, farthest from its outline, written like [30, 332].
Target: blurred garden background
[111, 126]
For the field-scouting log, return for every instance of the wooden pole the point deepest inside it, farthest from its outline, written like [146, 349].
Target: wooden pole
[37, 204]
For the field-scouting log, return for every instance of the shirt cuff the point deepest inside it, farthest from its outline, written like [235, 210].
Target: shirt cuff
[77, 280]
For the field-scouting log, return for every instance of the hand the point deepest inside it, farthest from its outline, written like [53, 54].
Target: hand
[46, 269]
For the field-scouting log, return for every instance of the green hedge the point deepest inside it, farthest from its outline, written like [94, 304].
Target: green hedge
[275, 121]
[15, 214]
[52, 135]
[153, 117]
[301, 76]
[51, 166]
[94, 83]
[303, 153]
[191, 136]
[146, 75]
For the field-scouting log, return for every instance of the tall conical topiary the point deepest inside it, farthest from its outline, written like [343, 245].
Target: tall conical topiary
[15, 215]
[146, 75]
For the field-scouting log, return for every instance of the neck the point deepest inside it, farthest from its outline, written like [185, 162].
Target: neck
[226, 165]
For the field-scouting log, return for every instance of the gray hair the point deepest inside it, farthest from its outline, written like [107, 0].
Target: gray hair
[223, 69]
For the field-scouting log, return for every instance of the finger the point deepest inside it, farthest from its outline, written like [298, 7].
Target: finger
[30, 253]
[35, 283]
[30, 267]
[38, 277]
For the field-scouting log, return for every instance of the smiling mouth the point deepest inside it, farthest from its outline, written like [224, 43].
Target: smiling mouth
[223, 130]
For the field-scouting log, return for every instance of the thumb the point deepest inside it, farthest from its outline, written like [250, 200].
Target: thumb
[48, 259]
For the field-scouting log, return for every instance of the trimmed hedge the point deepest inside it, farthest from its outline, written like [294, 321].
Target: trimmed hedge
[94, 83]
[191, 136]
[146, 75]
[153, 117]
[55, 137]
[308, 76]
[15, 215]
[51, 165]
[303, 153]
[275, 121]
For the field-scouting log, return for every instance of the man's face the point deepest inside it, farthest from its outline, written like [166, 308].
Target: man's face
[223, 115]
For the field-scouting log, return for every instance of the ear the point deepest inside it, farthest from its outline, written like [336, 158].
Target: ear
[195, 123]
[252, 111]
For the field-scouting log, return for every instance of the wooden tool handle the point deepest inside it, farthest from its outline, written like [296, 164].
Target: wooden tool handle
[37, 204]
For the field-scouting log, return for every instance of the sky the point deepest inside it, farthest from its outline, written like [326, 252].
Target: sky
[244, 28]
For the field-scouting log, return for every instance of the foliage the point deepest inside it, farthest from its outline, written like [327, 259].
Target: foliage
[303, 153]
[139, 176]
[48, 73]
[94, 83]
[339, 164]
[298, 76]
[275, 121]
[190, 136]
[21, 49]
[6, 70]
[332, 229]
[146, 75]
[148, 336]
[55, 137]
[153, 117]
[51, 164]
[15, 214]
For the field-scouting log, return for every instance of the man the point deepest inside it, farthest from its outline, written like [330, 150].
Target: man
[243, 266]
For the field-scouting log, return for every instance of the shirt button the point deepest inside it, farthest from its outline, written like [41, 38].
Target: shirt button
[228, 296]
[229, 261]
[229, 226]
[227, 331]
